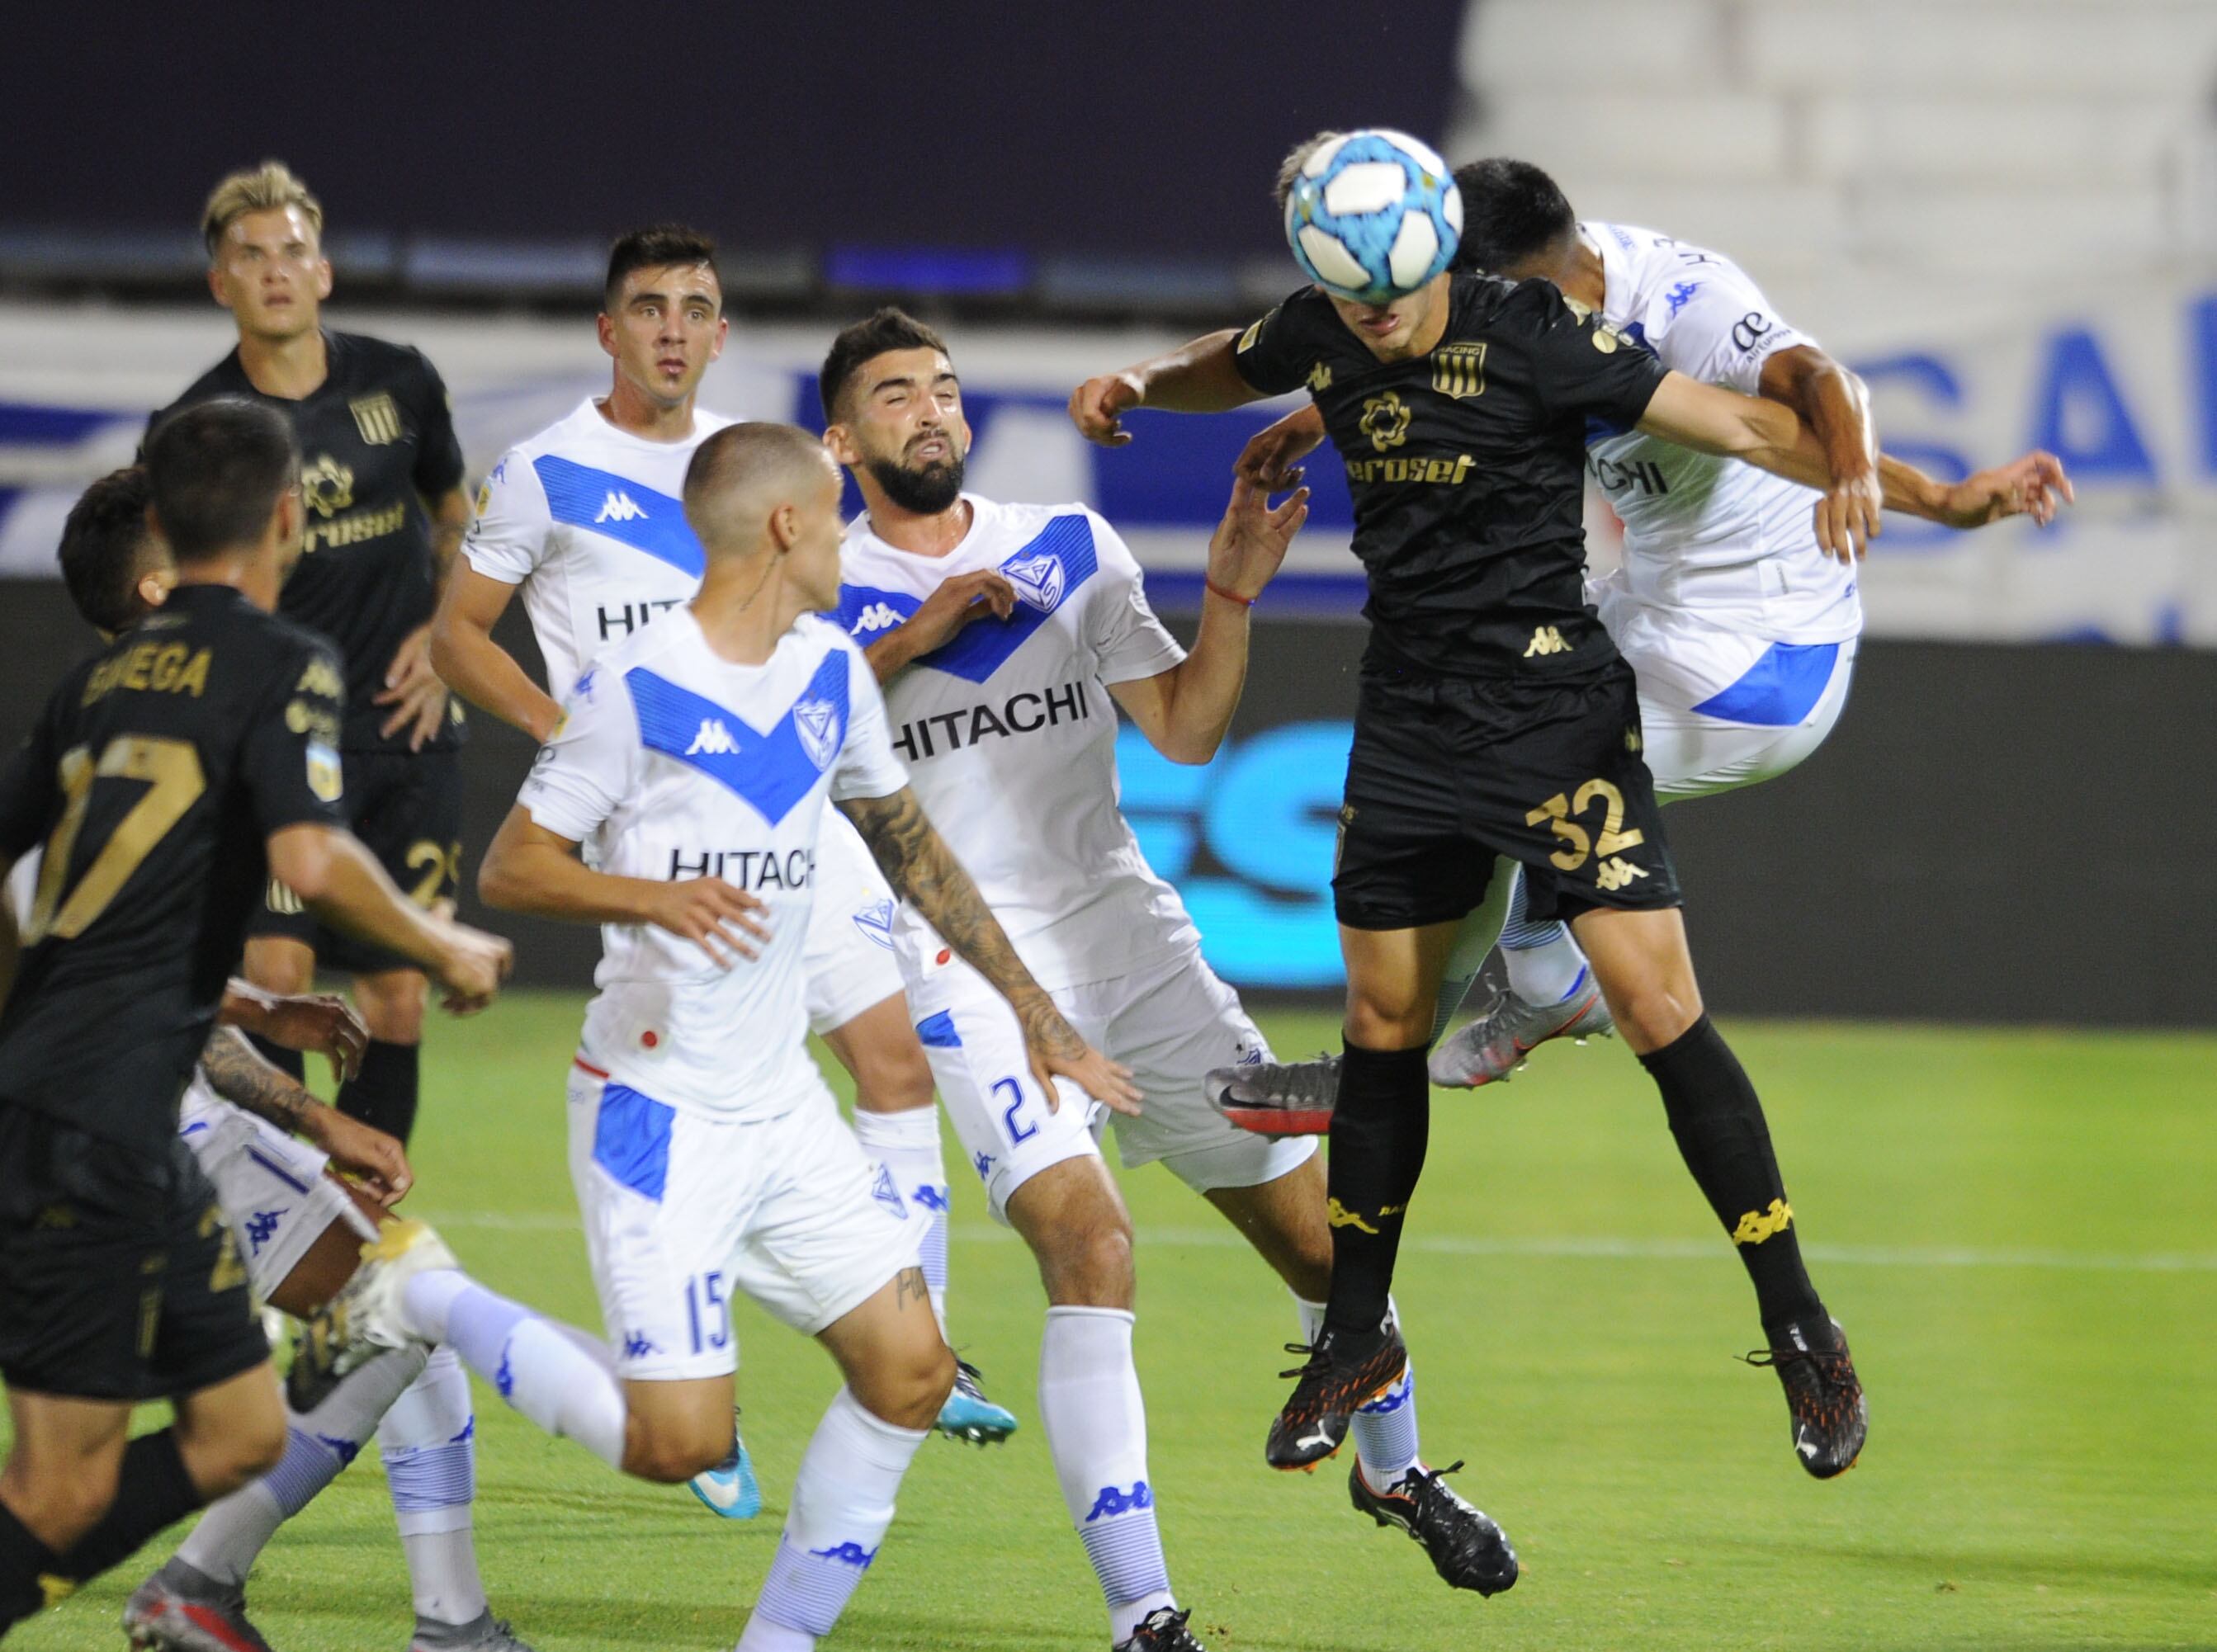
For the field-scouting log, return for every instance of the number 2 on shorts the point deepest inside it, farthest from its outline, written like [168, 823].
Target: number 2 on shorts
[1018, 1133]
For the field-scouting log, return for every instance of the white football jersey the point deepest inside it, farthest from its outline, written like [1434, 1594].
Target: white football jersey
[590, 520]
[673, 763]
[1714, 537]
[1010, 737]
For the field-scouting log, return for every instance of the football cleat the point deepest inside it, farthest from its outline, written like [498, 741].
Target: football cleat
[182, 1609]
[1488, 1050]
[1467, 1549]
[1277, 1098]
[1824, 1395]
[484, 1633]
[364, 1319]
[1336, 1380]
[730, 1489]
[1163, 1630]
[968, 1415]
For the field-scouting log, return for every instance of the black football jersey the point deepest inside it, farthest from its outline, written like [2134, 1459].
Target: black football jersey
[1466, 465]
[153, 779]
[376, 440]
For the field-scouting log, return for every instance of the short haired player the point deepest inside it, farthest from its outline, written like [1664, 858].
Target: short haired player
[583, 522]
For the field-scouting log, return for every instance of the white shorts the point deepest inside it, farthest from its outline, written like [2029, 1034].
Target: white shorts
[1720, 709]
[1168, 1024]
[273, 1189]
[849, 956]
[683, 1211]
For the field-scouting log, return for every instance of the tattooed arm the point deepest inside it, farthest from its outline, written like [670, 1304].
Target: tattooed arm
[238, 1073]
[923, 870]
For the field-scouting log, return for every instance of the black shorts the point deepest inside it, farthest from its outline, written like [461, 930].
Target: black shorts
[120, 1279]
[1448, 773]
[407, 808]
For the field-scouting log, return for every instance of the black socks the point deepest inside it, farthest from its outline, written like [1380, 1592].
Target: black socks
[23, 1561]
[1380, 1130]
[1717, 1119]
[383, 1094]
[290, 1062]
[152, 1491]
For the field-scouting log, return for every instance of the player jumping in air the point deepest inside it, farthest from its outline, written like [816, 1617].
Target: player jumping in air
[583, 520]
[1497, 719]
[300, 1232]
[1008, 637]
[167, 778]
[1739, 626]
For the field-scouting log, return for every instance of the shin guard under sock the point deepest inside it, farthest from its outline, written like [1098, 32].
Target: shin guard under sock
[1380, 1130]
[1718, 1120]
[383, 1094]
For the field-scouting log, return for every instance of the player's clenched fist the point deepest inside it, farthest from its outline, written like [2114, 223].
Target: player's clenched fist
[716, 916]
[472, 965]
[1097, 405]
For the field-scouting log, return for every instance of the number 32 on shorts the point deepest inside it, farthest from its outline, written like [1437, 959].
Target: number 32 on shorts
[1559, 814]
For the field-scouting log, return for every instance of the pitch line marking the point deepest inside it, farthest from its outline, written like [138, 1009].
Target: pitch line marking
[1563, 1248]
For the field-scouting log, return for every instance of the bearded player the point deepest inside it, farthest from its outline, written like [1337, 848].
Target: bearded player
[584, 520]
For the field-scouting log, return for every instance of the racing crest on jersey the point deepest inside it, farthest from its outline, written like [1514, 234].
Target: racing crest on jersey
[817, 722]
[1038, 579]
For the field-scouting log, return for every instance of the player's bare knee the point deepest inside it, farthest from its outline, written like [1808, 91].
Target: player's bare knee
[1651, 1014]
[391, 1005]
[907, 1387]
[1388, 1021]
[671, 1455]
[1085, 1260]
[898, 1080]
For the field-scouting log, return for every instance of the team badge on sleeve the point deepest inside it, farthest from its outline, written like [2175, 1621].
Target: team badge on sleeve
[323, 772]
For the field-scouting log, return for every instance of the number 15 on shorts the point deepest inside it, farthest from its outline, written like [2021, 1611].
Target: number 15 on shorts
[707, 1312]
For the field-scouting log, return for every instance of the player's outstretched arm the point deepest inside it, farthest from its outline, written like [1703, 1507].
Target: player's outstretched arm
[479, 669]
[1196, 378]
[316, 1023]
[342, 883]
[238, 1073]
[1184, 710]
[532, 870]
[1712, 420]
[1272, 458]
[1835, 405]
[923, 870]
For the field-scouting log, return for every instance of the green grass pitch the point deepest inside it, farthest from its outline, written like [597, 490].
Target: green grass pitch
[2018, 1229]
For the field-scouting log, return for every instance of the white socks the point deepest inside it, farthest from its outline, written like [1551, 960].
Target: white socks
[232, 1534]
[1385, 1429]
[907, 1145]
[1544, 964]
[542, 1369]
[1096, 1431]
[843, 1501]
[429, 1440]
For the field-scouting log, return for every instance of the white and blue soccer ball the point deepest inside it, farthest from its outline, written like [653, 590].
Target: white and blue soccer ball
[1373, 214]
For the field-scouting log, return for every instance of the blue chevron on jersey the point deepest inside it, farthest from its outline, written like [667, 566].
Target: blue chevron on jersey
[1045, 573]
[604, 502]
[772, 769]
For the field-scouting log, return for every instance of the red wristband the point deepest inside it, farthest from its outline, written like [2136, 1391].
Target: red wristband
[1229, 596]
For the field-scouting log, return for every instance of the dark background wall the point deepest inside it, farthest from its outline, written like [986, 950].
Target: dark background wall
[1992, 834]
[1145, 128]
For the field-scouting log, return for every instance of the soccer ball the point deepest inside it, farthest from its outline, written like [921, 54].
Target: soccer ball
[1373, 215]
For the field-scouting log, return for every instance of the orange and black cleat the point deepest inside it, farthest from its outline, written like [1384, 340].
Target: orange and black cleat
[1341, 1374]
[1824, 1395]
